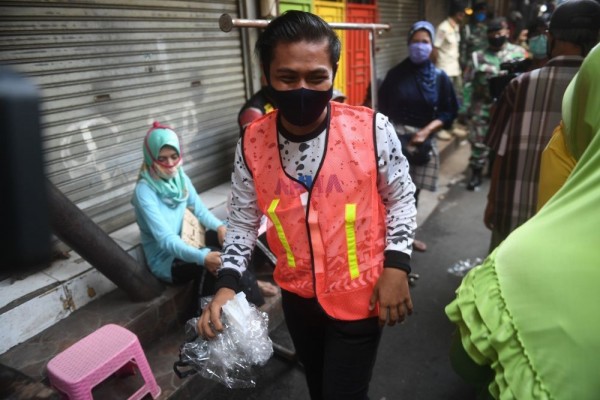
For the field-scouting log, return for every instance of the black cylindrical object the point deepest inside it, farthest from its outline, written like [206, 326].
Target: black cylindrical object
[23, 211]
[84, 236]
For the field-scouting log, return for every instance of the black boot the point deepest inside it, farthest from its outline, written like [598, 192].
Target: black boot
[475, 180]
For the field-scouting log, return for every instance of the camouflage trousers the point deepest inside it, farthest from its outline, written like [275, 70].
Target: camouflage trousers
[479, 151]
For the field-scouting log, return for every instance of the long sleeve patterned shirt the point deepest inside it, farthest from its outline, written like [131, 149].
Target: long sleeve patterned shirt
[160, 228]
[301, 157]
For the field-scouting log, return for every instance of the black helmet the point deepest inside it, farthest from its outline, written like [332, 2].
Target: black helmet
[576, 14]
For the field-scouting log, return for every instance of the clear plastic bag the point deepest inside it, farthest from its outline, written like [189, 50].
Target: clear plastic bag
[232, 356]
[460, 268]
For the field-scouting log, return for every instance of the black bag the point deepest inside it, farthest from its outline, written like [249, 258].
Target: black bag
[415, 154]
[419, 154]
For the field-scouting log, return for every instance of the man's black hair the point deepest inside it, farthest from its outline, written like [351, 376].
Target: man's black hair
[577, 22]
[456, 6]
[496, 24]
[295, 26]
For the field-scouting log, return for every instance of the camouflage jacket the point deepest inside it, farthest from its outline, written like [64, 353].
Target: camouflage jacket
[485, 64]
[473, 38]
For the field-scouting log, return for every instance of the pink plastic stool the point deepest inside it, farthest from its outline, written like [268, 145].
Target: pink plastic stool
[85, 364]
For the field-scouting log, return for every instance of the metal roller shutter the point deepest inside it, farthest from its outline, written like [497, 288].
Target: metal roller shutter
[106, 70]
[400, 15]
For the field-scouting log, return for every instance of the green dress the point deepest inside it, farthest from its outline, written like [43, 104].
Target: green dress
[531, 311]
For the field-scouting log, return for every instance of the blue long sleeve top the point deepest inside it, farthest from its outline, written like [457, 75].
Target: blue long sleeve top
[401, 99]
[160, 228]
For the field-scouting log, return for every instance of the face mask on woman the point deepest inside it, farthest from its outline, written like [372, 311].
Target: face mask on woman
[538, 46]
[167, 172]
[419, 52]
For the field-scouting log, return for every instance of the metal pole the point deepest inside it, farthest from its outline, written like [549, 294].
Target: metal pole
[82, 234]
[227, 23]
[373, 70]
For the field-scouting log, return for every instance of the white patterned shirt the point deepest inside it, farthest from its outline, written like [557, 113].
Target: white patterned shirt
[301, 157]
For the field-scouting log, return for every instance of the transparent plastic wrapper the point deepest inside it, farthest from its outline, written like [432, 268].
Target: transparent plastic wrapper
[460, 268]
[232, 357]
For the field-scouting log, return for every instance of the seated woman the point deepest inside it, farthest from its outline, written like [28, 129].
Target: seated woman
[162, 194]
[526, 317]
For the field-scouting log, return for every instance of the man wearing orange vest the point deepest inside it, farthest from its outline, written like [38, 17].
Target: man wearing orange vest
[333, 182]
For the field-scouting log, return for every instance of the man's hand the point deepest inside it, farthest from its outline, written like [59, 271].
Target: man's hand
[212, 262]
[209, 323]
[221, 232]
[393, 295]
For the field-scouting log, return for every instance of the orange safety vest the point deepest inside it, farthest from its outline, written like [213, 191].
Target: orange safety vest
[329, 240]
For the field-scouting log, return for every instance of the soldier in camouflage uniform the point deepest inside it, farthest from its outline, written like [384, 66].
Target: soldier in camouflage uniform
[477, 98]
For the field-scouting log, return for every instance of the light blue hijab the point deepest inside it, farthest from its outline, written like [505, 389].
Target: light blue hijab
[171, 191]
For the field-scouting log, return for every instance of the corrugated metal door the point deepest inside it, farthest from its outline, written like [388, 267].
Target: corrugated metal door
[106, 70]
[391, 46]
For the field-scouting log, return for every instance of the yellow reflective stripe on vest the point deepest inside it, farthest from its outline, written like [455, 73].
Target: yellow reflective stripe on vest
[290, 256]
[351, 239]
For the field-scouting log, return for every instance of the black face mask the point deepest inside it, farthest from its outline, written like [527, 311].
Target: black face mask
[498, 41]
[302, 106]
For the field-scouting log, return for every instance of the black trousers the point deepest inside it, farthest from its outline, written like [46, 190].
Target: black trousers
[338, 356]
